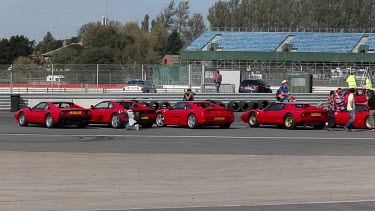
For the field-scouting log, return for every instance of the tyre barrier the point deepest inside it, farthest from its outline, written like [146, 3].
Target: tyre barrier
[263, 103]
[145, 103]
[220, 104]
[155, 105]
[254, 105]
[245, 106]
[164, 105]
[234, 105]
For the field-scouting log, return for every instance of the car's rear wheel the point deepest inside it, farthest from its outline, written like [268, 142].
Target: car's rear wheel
[225, 126]
[22, 120]
[49, 121]
[160, 120]
[367, 123]
[289, 122]
[253, 120]
[192, 121]
[115, 121]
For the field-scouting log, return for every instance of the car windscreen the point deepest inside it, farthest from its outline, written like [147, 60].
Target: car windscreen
[63, 105]
[301, 105]
[136, 83]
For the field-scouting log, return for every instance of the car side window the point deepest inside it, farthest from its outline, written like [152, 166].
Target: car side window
[360, 108]
[102, 105]
[40, 106]
[276, 107]
[358, 92]
[180, 106]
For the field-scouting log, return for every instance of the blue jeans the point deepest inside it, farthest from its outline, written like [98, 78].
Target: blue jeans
[128, 127]
[217, 85]
[331, 120]
[352, 118]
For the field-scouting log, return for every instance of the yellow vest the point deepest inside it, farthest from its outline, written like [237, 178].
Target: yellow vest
[368, 83]
[351, 81]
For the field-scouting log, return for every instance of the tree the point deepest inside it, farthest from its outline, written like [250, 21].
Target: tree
[182, 15]
[68, 55]
[15, 47]
[48, 44]
[166, 17]
[103, 55]
[195, 27]
[174, 44]
[146, 24]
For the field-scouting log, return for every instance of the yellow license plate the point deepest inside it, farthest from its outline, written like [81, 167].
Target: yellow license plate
[316, 114]
[133, 88]
[144, 117]
[219, 118]
[75, 112]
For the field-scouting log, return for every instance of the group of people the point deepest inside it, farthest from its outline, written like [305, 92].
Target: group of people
[335, 102]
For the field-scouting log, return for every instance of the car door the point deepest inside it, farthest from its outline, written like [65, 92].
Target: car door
[342, 117]
[274, 114]
[38, 113]
[98, 111]
[361, 112]
[175, 113]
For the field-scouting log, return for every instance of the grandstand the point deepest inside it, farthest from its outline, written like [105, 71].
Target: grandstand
[275, 53]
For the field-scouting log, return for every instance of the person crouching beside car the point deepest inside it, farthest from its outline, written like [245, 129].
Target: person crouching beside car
[189, 95]
[131, 123]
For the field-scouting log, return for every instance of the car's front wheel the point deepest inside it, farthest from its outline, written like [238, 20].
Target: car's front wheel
[367, 123]
[22, 120]
[192, 121]
[160, 120]
[289, 122]
[253, 120]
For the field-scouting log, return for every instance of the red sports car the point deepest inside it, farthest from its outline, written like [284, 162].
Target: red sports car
[290, 115]
[113, 113]
[361, 116]
[194, 114]
[359, 95]
[53, 114]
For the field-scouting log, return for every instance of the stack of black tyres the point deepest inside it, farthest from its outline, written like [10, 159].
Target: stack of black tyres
[234, 105]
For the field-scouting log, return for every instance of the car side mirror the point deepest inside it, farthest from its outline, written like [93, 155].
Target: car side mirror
[91, 106]
[29, 108]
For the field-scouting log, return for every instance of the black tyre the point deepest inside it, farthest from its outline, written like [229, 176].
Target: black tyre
[255, 105]
[192, 121]
[289, 122]
[245, 106]
[160, 120]
[367, 123]
[225, 126]
[164, 105]
[155, 105]
[115, 121]
[49, 121]
[253, 120]
[234, 105]
[145, 104]
[22, 120]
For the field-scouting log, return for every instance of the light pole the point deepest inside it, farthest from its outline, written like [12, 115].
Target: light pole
[11, 78]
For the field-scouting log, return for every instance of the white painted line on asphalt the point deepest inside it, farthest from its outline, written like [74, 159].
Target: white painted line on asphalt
[256, 205]
[178, 136]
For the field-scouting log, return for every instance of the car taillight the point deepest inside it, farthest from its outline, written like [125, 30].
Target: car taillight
[63, 113]
[206, 112]
[256, 87]
[88, 112]
[120, 111]
[302, 115]
[242, 87]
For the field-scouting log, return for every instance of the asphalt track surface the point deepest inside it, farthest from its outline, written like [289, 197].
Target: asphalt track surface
[238, 140]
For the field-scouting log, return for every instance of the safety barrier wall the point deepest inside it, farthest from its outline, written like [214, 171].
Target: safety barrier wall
[86, 100]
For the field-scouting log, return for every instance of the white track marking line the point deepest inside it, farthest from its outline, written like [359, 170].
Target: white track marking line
[256, 205]
[175, 137]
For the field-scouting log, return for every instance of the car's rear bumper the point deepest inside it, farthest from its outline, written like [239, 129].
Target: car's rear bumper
[213, 121]
[74, 118]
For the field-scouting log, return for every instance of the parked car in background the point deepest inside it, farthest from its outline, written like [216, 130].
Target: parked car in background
[288, 115]
[254, 86]
[53, 114]
[113, 113]
[194, 114]
[139, 85]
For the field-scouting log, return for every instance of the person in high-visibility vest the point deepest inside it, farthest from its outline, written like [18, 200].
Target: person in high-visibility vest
[352, 83]
[368, 83]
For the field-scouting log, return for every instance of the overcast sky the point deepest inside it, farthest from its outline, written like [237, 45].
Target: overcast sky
[33, 18]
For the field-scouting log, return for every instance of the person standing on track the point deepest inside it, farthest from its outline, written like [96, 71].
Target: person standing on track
[351, 109]
[331, 110]
[217, 81]
[371, 104]
[339, 100]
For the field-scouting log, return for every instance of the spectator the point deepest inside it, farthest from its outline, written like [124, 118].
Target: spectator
[189, 95]
[371, 104]
[131, 123]
[352, 83]
[283, 92]
[331, 110]
[351, 109]
[339, 100]
[368, 82]
[217, 81]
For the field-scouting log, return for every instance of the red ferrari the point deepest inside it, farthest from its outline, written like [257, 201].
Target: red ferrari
[194, 114]
[359, 95]
[289, 114]
[113, 113]
[52, 114]
[361, 116]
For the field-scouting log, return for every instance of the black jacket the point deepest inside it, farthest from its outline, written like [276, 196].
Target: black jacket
[371, 102]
